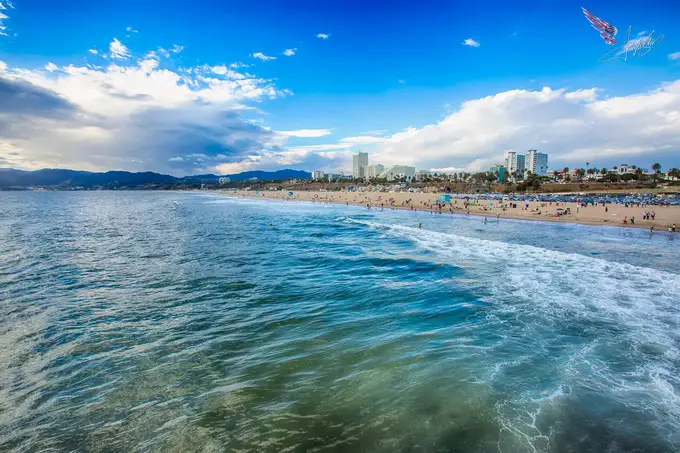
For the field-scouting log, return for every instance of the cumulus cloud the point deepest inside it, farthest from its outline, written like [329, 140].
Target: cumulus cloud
[132, 116]
[3, 66]
[674, 56]
[307, 133]
[470, 42]
[51, 67]
[118, 50]
[289, 52]
[93, 51]
[572, 126]
[323, 36]
[263, 57]
[131, 30]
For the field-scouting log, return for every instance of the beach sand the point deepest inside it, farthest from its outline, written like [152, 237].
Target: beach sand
[591, 215]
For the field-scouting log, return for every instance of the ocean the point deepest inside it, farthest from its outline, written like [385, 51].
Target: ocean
[190, 322]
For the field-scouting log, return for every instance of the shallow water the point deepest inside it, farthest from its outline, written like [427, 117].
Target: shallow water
[184, 322]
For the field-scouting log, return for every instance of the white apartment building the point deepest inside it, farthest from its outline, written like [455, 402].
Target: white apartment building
[399, 171]
[360, 161]
[515, 163]
[420, 174]
[317, 175]
[536, 162]
[224, 180]
[373, 171]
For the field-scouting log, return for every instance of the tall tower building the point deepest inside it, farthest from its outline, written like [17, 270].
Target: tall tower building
[515, 163]
[360, 161]
[537, 162]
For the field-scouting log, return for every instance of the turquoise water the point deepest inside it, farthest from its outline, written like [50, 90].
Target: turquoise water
[183, 322]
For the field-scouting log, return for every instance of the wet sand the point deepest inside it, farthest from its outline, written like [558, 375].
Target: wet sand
[591, 215]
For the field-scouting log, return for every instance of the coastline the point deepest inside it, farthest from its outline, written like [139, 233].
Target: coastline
[537, 211]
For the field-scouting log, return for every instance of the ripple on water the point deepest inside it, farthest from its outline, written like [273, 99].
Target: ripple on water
[180, 322]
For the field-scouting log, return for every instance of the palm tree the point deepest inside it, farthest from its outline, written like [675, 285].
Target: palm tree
[656, 167]
[587, 165]
[674, 173]
[603, 171]
[565, 169]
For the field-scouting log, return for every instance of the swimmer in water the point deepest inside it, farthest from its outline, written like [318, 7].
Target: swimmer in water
[484, 219]
[420, 225]
[651, 229]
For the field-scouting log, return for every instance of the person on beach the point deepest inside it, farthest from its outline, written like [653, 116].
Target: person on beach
[651, 229]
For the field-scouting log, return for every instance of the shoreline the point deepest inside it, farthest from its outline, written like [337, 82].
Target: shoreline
[537, 211]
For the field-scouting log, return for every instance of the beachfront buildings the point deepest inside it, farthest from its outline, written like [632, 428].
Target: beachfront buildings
[399, 171]
[335, 177]
[373, 171]
[500, 171]
[224, 180]
[422, 174]
[514, 163]
[536, 162]
[360, 161]
[316, 175]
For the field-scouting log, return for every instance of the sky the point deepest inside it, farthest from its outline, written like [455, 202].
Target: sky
[224, 87]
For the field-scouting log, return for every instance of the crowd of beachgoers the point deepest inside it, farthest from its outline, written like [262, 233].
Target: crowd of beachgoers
[637, 199]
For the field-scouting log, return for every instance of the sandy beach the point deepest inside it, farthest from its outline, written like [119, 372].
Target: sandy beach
[614, 214]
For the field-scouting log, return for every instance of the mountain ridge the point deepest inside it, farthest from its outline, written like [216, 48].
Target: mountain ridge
[54, 177]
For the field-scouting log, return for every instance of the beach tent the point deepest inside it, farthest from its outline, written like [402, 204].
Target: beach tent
[446, 198]
[290, 194]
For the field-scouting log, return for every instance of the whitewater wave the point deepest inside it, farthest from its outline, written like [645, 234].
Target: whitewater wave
[603, 326]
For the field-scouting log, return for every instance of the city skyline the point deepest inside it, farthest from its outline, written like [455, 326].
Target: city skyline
[224, 89]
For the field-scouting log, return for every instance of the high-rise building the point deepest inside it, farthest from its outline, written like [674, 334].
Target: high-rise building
[360, 161]
[373, 171]
[536, 162]
[515, 164]
[317, 175]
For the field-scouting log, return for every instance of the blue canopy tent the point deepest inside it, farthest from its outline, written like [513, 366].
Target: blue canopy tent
[446, 198]
[290, 194]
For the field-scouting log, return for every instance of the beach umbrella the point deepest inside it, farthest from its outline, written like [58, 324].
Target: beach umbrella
[560, 209]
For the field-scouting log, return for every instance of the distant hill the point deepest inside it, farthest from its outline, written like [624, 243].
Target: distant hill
[278, 175]
[19, 179]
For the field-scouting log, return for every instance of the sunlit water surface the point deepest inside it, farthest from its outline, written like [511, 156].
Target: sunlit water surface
[185, 322]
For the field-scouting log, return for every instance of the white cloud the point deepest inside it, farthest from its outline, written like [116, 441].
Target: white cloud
[290, 52]
[51, 67]
[263, 57]
[132, 116]
[470, 42]
[118, 51]
[131, 30]
[4, 6]
[674, 56]
[176, 48]
[238, 65]
[3, 66]
[93, 51]
[571, 126]
[307, 133]
[588, 95]
[323, 36]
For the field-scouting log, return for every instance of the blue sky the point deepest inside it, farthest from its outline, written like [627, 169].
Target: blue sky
[396, 75]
